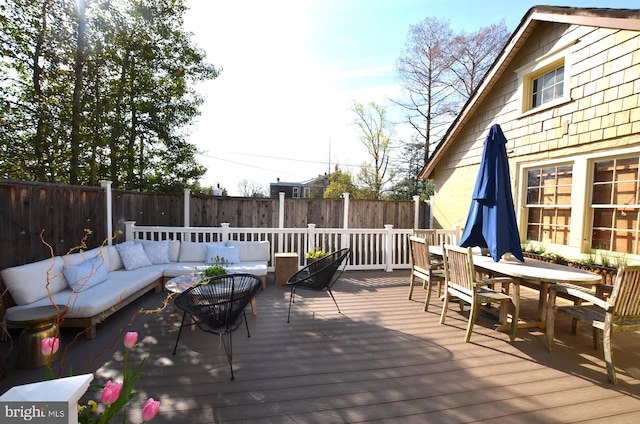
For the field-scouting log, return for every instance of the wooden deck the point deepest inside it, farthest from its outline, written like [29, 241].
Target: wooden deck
[382, 360]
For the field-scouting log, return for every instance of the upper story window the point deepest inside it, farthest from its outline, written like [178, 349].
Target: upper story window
[544, 83]
[549, 204]
[547, 87]
[616, 189]
[306, 192]
[296, 192]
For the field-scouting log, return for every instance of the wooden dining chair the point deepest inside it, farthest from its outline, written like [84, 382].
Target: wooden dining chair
[425, 267]
[461, 283]
[620, 312]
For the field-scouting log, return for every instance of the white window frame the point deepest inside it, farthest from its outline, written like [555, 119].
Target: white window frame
[613, 206]
[555, 206]
[528, 73]
[581, 198]
[295, 192]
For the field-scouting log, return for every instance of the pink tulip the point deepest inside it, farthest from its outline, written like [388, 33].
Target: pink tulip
[150, 409]
[49, 346]
[130, 339]
[111, 392]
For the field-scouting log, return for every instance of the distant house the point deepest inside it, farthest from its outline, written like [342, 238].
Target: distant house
[566, 92]
[313, 188]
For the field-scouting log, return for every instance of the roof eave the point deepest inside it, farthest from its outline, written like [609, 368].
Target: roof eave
[606, 18]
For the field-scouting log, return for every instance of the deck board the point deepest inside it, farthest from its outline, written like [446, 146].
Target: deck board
[382, 360]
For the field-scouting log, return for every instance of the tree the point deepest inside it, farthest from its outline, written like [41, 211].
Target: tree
[439, 70]
[102, 90]
[340, 182]
[424, 70]
[409, 168]
[251, 189]
[473, 55]
[376, 132]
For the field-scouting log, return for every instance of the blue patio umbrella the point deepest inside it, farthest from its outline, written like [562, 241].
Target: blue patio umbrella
[491, 222]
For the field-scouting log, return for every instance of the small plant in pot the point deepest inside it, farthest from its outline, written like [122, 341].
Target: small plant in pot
[314, 255]
[216, 269]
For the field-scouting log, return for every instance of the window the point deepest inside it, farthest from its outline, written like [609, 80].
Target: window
[306, 192]
[548, 87]
[296, 192]
[616, 188]
[549, 204]
[544, 82]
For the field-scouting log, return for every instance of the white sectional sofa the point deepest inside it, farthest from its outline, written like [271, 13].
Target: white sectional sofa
[96, 283]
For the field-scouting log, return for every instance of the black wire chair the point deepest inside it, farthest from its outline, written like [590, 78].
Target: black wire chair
[217, 307]
[319, 275]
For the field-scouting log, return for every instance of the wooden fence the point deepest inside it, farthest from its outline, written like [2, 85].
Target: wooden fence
[61, 213]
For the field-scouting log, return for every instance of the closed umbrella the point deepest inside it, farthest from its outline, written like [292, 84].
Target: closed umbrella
[491, 222]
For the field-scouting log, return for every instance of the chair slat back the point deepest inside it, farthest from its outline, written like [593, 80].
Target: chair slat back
[420, 258]
[626, 294]
[458, 264]
[436, 237]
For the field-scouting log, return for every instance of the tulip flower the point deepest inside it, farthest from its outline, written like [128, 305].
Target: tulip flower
[130, 339]
[111, 392]
[49, 346]
[150, 409]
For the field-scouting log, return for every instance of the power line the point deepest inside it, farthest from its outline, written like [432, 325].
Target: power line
[276, 158]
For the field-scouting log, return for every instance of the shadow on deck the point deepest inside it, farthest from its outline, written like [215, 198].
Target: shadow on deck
[382, 359]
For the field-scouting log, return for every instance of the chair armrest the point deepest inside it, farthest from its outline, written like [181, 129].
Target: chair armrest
[580, 292]
[494, 280]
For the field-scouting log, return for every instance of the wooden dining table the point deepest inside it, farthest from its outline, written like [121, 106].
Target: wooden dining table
[531, 273]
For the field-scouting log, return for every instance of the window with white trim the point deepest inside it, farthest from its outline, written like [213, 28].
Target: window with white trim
[547, 87]
[616, 189]
[549, 203]
[296, 192]
[544, 82]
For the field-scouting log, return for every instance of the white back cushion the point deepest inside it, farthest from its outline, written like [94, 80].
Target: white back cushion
[77, 258]
[174, 250]
[252, 250]
[28, 283]
[193, 251]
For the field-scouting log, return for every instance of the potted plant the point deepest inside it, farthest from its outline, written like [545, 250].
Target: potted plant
[314, 255]
[213, 271]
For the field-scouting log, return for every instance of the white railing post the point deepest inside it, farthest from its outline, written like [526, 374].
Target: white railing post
[108, 194]
[428, 202]
[416, 212]
[225, 231]
[128, 230]
[311, 237]
[456, 234]
[345, 219]
[388, 247]
[281, 209]
[187, 193]
[281, 221]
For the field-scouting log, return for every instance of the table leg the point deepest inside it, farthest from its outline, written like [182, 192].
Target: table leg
[542, 304]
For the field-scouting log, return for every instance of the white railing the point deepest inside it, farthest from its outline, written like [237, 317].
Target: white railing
[385, 248]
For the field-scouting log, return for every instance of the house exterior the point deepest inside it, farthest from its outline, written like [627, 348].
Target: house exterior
[565, 91]
[313, 188]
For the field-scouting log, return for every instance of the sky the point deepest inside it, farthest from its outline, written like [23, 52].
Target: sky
[292, 70]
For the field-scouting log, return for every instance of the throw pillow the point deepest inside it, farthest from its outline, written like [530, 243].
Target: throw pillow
[157, 251]
[229, 254]
[133, 256]
[86, 274]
